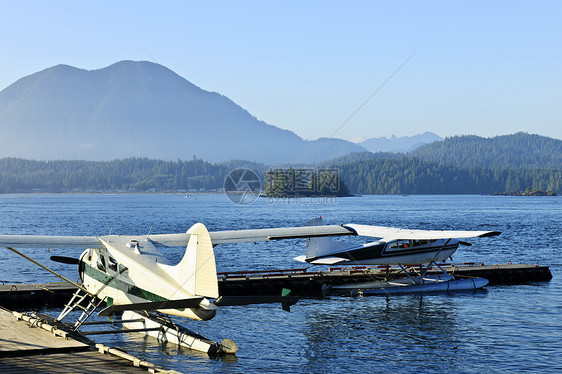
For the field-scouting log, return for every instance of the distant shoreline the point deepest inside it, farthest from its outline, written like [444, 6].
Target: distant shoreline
[526, 193]
[193, 195]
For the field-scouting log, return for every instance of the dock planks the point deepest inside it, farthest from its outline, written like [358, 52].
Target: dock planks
[73, 362]
[27, 348]
[19, 338]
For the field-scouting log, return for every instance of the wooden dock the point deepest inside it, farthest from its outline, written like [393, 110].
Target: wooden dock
[32, 345]
[301, 282]
[305, 283]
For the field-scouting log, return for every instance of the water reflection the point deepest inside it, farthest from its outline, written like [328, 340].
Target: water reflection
[390, 332]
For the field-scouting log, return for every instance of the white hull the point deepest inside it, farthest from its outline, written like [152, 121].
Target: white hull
[177, 335]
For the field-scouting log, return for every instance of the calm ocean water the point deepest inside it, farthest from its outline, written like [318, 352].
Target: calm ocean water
[504, 328]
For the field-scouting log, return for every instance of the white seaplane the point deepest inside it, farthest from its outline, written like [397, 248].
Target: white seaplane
[396, 246]
[130, 274]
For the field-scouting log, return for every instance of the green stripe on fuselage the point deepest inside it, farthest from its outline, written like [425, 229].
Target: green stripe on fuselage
[118, 284]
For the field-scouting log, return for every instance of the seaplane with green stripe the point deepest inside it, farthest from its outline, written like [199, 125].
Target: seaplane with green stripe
[131, 275]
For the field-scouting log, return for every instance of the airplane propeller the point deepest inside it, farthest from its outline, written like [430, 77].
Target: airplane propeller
[65, 260]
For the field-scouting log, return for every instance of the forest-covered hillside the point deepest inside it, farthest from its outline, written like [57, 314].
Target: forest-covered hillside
[458, 165]
[515, 151]
[414, 176]
[130, 175]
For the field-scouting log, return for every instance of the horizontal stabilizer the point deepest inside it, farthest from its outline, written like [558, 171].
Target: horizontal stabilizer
[154, 305]
[263, 299]
[286, 301]
[329, 261]
[322, 261]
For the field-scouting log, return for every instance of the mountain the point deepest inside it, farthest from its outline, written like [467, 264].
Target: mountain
[399, 144]
[140, 109]
[361, 157]
[516, 151]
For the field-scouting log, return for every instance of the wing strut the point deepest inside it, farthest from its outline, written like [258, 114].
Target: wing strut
[50, 271]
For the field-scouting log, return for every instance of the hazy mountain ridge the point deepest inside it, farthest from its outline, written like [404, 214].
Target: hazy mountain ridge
[140, 109]
[401, 144]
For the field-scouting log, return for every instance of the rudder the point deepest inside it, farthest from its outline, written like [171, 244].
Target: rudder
[197, 271]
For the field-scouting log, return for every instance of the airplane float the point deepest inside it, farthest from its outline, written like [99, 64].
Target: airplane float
[130, 274]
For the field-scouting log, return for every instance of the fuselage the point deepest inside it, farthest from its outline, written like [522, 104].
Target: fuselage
[128, 271]
[405, 252]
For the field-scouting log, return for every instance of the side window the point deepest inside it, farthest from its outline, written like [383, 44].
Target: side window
[111, 263]
[101, 264]
[122, 269]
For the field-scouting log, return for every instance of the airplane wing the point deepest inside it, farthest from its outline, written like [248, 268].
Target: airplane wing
[42, 241]
[241, 236]
[258, 235]
[391, 233]
[175, 240]
[87, 242]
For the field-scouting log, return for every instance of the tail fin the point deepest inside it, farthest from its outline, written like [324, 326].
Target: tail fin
[322, 246]
[197, 271]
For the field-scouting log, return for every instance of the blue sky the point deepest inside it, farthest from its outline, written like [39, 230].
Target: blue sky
[478, 67]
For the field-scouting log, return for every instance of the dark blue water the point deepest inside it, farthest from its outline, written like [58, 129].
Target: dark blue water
[505, 328]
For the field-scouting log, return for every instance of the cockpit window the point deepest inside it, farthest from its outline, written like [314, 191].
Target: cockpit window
[111, 263]
[101, 263]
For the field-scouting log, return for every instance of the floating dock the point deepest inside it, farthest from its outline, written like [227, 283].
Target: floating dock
[305, 283]
[301, 282]
[35, 345]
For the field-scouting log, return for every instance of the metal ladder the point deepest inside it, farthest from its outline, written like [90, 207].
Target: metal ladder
[75, 302]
